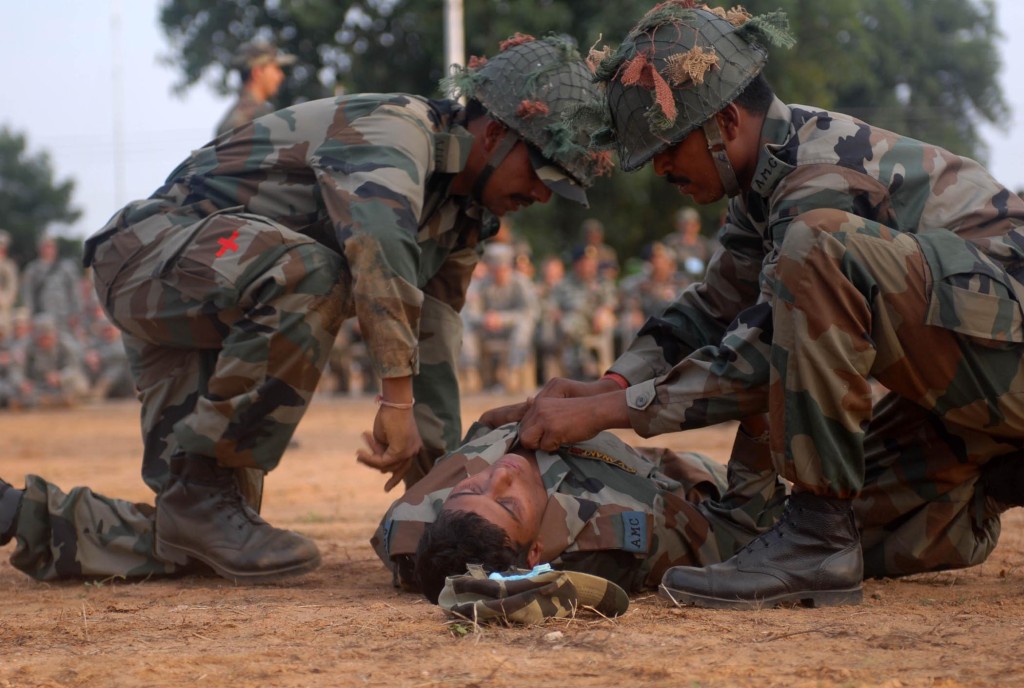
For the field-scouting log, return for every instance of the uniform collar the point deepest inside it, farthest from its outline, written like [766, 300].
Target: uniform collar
[776, 132]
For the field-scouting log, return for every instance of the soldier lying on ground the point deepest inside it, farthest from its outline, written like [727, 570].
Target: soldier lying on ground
[629, 514]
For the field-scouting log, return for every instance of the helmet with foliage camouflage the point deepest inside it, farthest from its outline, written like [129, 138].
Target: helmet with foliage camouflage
[533, 86]
[681, 64]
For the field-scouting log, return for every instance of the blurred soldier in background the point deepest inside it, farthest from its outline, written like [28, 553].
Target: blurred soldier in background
[53, 373]
[500, 330]
[692, 249]
[8, 280]
[259, 65]
[50, 285]
[647, 293]
[587, 305]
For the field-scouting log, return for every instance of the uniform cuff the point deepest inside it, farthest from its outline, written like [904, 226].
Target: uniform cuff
[640, 396]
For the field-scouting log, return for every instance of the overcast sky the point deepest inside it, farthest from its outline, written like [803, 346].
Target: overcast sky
[59, 60]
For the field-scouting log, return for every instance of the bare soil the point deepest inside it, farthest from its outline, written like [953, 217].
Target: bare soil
[345, 625]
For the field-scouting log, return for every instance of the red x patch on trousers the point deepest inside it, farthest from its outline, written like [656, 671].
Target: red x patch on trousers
[229, 244]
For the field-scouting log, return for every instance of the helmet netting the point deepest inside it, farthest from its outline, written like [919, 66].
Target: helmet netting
[534, 87]
[681, 64]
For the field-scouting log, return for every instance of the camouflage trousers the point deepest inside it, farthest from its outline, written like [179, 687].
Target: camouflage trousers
[228, 323]
[851, 300]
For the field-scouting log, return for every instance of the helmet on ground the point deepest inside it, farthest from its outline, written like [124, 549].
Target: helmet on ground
[534, 86]
[680, 65]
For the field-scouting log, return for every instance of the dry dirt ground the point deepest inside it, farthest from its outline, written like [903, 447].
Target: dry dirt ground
[345, 625]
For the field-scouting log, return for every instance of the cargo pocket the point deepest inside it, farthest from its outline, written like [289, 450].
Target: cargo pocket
[978, 306]
[970, 294]
[217, 259]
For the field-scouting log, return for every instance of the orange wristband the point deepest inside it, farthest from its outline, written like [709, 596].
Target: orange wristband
[622, 382]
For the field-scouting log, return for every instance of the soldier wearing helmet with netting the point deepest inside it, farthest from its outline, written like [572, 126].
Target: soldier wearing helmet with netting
[231, 281]
[848, 253]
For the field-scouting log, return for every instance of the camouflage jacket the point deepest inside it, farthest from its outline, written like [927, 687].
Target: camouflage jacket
[706, 359]
[614, 511]
[366, 175]
[243, 111]
[8, 287]
[52, 288]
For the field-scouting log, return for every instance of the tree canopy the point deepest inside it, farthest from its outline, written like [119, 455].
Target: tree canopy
[30, 199]
[925, 68]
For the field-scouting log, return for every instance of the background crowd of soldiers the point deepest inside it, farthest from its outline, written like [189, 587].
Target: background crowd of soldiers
[526, 319]
[57, 348]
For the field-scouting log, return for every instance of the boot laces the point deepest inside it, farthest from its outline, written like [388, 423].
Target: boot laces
[776, 532]
[238, 510]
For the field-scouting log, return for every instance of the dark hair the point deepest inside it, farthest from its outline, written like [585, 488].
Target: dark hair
[757, 96]
[458, 538]
[245, 73]
[475, 109]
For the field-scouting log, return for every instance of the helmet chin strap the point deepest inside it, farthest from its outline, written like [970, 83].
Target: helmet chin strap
[499, 153]
[716, 146]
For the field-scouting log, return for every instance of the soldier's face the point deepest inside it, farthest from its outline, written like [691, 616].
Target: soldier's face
[268, 77]
[514, 184]
[689, 166]
[509, 493]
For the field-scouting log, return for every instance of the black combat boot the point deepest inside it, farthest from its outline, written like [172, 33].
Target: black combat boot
[812, 556]
[1002, 479]
[201, 515]
[10, 505]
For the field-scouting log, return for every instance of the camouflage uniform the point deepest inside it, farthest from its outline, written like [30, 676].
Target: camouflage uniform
[244, 110]
[52, 288]
[579, 301]
[621, 513]
[230, 284]
[856, 252]
[10, 375]
[9, 281]
[53, 367]
[511, 310]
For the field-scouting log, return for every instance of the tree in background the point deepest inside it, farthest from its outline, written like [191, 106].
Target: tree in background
[924, 68]
[30, 199]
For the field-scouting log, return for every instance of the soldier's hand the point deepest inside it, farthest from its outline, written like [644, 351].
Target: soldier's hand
[564, 388]
[375, 456]
[393, 445]
[505, 414]
[553, 421]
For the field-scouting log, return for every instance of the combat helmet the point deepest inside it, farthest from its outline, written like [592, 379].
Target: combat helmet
[679, 66]
[533, 86]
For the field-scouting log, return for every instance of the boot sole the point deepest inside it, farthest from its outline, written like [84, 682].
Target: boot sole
[817, 598]
[182, 556]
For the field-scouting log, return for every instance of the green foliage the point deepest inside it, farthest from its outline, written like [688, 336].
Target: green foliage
[460, 629]
[30, 199]
[925, 68]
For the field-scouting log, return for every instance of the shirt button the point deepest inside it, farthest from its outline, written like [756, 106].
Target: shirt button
[641, 400]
